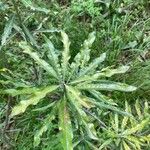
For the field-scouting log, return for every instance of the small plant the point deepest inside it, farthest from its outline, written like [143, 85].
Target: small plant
[74, 86]
[85, 7]
[129, 132]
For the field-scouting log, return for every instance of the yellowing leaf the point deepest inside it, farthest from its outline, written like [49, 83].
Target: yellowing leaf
[107, 72]
[65, 126]
[85, 50]
[136, 128]
[126, 147]
[33, 100]
[15, 92]
[65, 53]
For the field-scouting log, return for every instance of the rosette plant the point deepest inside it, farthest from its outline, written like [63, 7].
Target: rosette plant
[128, 133]
[77, 82]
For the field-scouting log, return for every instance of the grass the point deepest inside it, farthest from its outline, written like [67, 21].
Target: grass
[122, 30]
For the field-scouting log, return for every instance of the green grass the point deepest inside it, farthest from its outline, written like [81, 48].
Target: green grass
[122, 30]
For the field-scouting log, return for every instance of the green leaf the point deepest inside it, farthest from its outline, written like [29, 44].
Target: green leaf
[28, 50]
[28, 3]
[99, 96]
[30, 36]
[126, 147]
[65, 53]
[108, 87]
[137, 107]
[136, 141]
[125, 118]
[107, 72]
[65, 126]
[110, 107]
[105, 144]
[93, 65]
[82, 79]
[7, 30]
[91, 145]
[33, 100]
[116, 125]
[83, 56]
[45, 126]
[45, 107]
[136, 128]
[53, 57]
[14, 92]
[74, 97]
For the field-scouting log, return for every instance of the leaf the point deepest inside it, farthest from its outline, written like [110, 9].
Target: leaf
[53, 57]
[108, 87]
[65, 126]
[45, 107]
[74, 97]
[65, 53]
[105, 144]
[30, 36]
[137, 107]
[84, 55]
[7, 30]
[33, 100]
[116, 125]
[136, 141]
[90, 130]
[28, 50]
[107, 72]
[91, 145]
[28, 3]
[14, 92]
[93, 65]
[125, 118]
[126, 147]
[110, 107]
[136, 128]
[44, 128]
[99, 96]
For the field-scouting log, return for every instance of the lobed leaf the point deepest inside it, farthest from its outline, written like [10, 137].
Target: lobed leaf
[44, 128]
[7, 30]
[105, 144]
[65, 53]
[27, 90]
[28, 3]
[83, 56]
[93, 65]
[65, 126]
[107, 72]
[53, 57]
[33, 100]
[28, 50]
[137, 127]
[115, 86]
[99, 96]
[126, 147]
[110, 107]
[74, 97]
